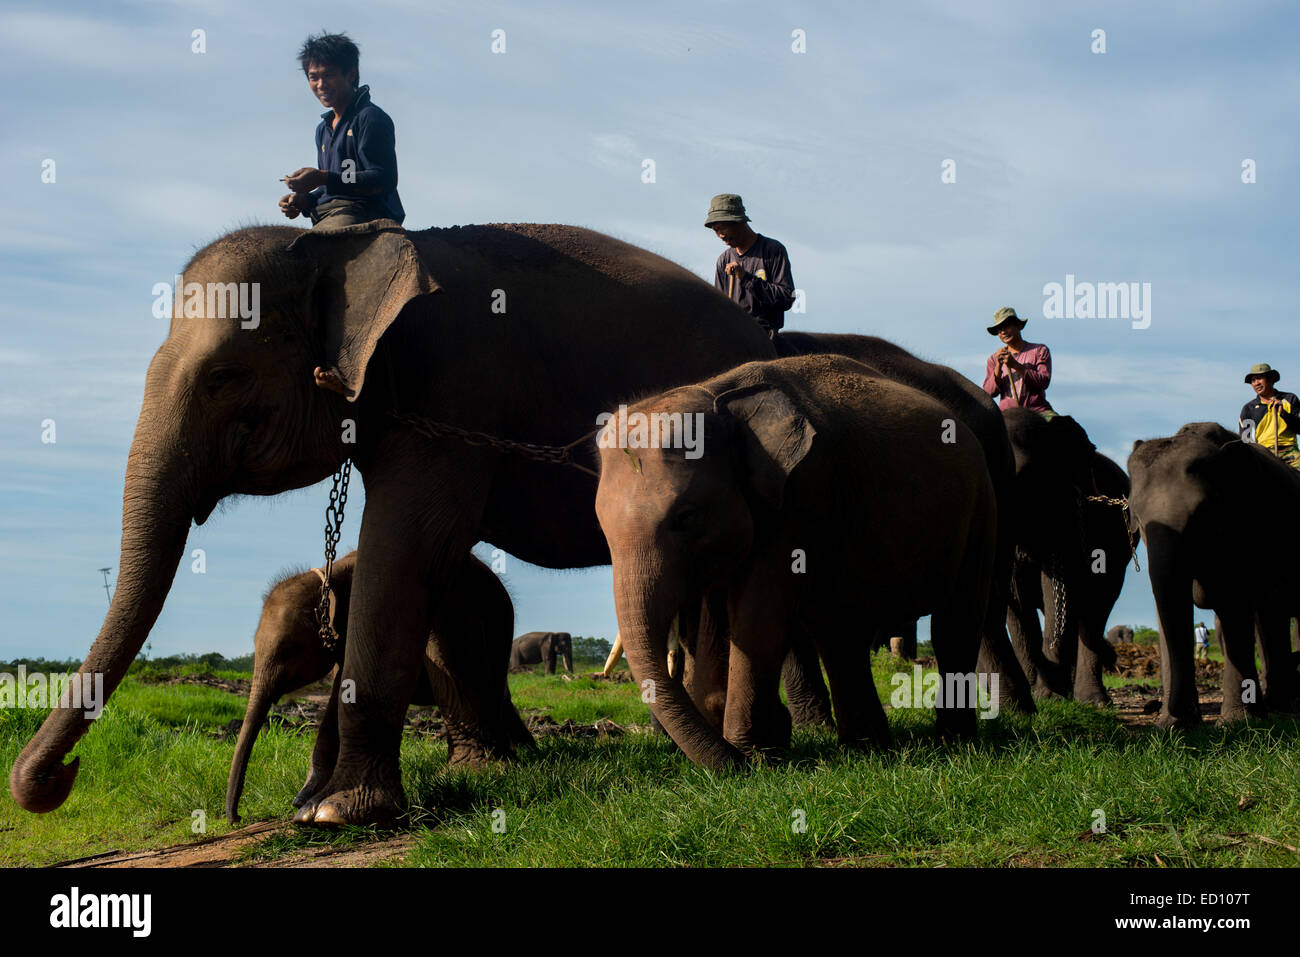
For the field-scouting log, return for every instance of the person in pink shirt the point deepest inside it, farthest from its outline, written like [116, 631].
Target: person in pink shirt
[1020, 371]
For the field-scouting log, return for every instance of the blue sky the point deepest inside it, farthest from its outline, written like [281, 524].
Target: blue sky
[1115, 167]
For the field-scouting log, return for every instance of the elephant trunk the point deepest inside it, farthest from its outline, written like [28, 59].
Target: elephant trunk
[260, 700]
[568, 658]
[157, 505]
[645, 615]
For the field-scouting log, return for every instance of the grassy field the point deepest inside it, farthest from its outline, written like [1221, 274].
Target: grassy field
[1026, 793]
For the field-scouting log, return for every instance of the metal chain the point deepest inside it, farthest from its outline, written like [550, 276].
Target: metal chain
[333, 529]
[1122, 502]
[552, 454]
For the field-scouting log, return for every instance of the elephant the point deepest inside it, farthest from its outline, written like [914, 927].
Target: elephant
[1194, 495]
[368, 344]
[474, 699]
[542, 646]
[1072, 554]
[803, 491]
[1120, 635]
[801, 673]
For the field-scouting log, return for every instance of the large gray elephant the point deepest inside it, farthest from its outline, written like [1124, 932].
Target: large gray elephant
[471, 693]
[521, 332]
[802, 492]
[1205, 502]
[1072, 553]
[543, 647]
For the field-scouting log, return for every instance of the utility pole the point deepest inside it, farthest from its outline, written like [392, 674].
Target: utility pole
[105, 572]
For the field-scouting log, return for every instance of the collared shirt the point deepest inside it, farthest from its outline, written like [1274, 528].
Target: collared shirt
[1030, 383]
[365, 140]
[1265, 423]
[767, 290]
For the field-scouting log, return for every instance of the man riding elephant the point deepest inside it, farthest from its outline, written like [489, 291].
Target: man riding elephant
[357, 176]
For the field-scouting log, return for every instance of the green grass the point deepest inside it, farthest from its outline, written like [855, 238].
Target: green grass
[1023, 794]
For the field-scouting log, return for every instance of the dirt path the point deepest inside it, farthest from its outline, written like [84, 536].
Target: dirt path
[228, 849]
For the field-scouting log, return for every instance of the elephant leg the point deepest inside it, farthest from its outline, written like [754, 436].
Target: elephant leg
[1026, 634]
[326, 751]
[1280, 684]
[754, 719]
[999, 656]
[1242, 694]
[1060, 619]
[801, 673]
[418, 525]
[466, 661]
[1171, 586]
[1088, 686]
[859, 715]
[907, 631]
[1094, 653]
[711, 660]
[955, 634]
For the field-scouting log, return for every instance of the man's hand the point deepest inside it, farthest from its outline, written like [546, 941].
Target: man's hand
[306, 179]
[1007, 358]
[737, 270]
[291, 204]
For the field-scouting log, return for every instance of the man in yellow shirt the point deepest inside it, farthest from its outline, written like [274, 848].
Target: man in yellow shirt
[1272, 418]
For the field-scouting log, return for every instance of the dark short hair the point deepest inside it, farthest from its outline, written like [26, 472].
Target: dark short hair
[332, 49]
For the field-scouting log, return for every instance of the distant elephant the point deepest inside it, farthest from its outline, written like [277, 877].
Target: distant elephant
[403, 323]
[1216, 515]
[1120, 635]
[473, 699]
[805, 491]
[542, 646]
[1072, 554]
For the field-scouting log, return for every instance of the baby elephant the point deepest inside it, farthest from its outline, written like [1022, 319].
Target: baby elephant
[810, 494]
[542, 646]
[465, 675]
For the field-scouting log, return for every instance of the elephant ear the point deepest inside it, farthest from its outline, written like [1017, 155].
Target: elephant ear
[362, 278]
[776, 435]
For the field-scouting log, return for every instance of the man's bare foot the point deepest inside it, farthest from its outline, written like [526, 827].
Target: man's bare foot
[329, 379]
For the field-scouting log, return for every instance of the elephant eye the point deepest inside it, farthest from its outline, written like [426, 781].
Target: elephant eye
[225, 378]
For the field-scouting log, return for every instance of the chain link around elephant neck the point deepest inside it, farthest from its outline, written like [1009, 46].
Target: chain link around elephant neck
[1122, 502]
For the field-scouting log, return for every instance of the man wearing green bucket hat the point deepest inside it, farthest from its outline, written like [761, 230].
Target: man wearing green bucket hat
[755, 270]
[1272, 418]
[1019, 373]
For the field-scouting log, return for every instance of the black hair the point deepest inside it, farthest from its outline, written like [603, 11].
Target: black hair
[333, 49]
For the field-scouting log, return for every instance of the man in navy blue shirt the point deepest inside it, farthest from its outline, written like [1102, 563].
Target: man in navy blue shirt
[754, 271]
[355, 179]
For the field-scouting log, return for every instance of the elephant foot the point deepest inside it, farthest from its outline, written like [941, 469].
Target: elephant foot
[356, 803]
[475, 756]
[1098, 698]
[1239, 714]
[1179, 721]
